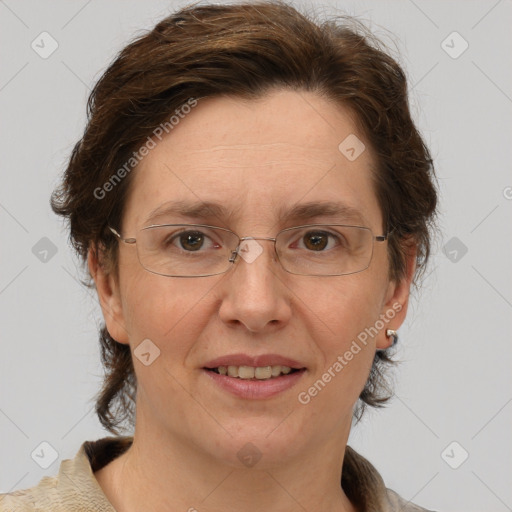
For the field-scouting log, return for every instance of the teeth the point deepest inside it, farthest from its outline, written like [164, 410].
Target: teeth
[276, 370]
[249, 372]
[246, 372]
[263, 372]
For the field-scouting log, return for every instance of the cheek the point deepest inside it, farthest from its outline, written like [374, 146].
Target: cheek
[343, 317]
[344, 308]
[334, 386]
[169, 312]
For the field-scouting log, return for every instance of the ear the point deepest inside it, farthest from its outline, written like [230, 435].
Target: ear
[109, 296]
[397, 299]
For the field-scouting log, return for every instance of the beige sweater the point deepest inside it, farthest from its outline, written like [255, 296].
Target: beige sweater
[75, 488]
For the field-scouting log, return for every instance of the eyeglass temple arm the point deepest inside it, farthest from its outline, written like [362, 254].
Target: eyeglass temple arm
[383, 238]
[125, 240]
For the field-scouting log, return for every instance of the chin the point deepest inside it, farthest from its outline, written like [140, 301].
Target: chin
[262, 446]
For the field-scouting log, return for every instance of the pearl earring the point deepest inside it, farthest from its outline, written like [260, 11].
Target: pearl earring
[390, 333]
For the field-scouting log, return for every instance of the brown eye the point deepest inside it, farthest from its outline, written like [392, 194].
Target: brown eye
[191, 240]
[316, 241]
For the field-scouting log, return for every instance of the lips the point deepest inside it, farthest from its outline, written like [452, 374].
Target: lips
[233, 373]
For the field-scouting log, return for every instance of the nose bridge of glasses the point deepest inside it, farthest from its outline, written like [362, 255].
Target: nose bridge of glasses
[257, 238]
[238, 249]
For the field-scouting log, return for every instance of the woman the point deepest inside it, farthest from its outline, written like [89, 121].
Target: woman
[253, 202]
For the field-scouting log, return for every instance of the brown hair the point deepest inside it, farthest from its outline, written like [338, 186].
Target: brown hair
[242, 50]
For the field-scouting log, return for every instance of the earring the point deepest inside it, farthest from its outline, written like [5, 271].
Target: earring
[390, 333]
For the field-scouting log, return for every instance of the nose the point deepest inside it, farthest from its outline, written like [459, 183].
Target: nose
[254, 293]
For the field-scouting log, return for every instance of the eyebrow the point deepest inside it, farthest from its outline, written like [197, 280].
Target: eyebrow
[300, 212]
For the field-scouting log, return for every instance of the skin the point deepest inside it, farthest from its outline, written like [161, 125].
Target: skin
[254, 157]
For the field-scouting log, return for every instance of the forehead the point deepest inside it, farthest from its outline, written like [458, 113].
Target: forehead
[257, 158]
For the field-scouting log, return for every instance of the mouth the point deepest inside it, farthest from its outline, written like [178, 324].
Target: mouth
[254, 373]
[254, 377]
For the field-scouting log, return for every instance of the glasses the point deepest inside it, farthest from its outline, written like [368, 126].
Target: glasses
[199, 250]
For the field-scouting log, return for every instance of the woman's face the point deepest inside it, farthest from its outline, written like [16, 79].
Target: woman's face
[258, 160]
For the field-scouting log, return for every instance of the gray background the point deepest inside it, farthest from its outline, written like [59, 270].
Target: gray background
[455, 380]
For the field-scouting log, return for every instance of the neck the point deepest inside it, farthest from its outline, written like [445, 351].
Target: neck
[165, 473]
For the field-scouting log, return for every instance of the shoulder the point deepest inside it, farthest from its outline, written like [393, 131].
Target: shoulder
[365, 487]
[41, 497]
[399, 504]
[16, 501]
[74, 488]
